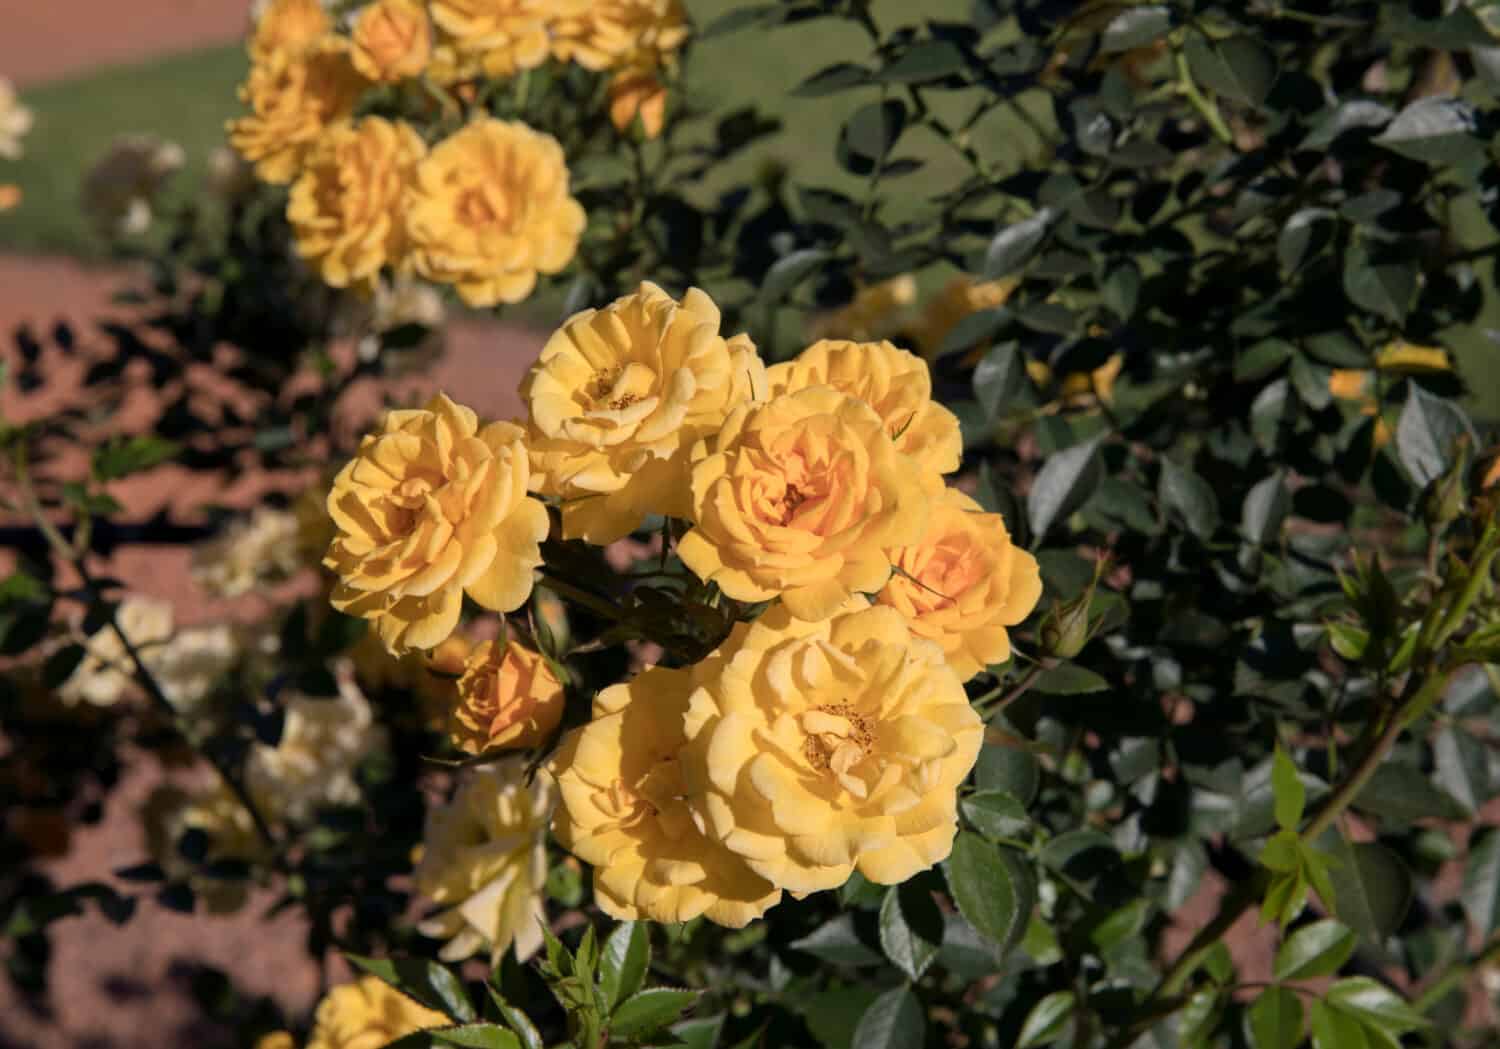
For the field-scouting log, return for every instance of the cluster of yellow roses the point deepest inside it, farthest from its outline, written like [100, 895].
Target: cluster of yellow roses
[828, 735]
[487, 208]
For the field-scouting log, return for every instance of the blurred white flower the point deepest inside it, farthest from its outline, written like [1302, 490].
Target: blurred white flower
[189, 665]
[171, 812]
[15, 121]
[106, 672]
[323, 741]
[263, 548]
[484, 861]
[119, 190]
[229, 175]
[406, 300]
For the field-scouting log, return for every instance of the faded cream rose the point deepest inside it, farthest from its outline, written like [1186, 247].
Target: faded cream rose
[347, 209]
[323, 742]
[623, 807]
[830, 747]
[489, 209]
[171, 812]
[964, 584]
[800, 499]
[120, 190]
[617, 400]
[196, 662]
[250, 553]
[15, 121]
[392, 40]
[896, 383]
[507, 698]
[433, 507]
[106, 672]
[484, 863]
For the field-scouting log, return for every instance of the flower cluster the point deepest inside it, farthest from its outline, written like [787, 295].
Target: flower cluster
[15, 122]
[827, 736]
[485, 207]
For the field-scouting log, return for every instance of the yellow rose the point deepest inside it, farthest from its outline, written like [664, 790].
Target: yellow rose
[963, 584]
[622, 807]
[1079, 388]
[431, 508]
[498, 37]
[368, 1014]
[292, 99]
[894, 382]
[609, 34]
[289, 27]
[490, 209]
[1349, 384]
[617, 400]
[801, 498]
[870, 314]
[829, 747]
[959, 298]
[1407, 358]
[508, 698]
[392, 40]
[10, 195]
[484, 860]
[347, 207]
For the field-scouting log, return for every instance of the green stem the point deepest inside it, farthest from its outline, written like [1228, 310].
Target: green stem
[1205, 107]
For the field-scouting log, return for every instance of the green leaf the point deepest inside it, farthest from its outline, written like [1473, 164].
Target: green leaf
[1386, 288]
[790, 271]
[1318, 949]
[1009, 769]
[1262, 359]
[1274, 1020]
[1287, 790]
[1334, 1029]
[998, 379]
[1374, 1004]
[1047, 1019]
[893, 1021]
[1427, 434]
[127, 455]
[1306, 233]
[925, 61]
[1481, 891]
[1285, 897]
[704, 1033]
[836, 941]
[1438, 130]
[1063, 484]
[1372, 887]
[996, 814]
[1182, 490]
[1014, 245]
[874, 128]
[518, 1021]
[647, 1012]
[1239, 68]
[624, 961]
[1121, 289]
[832, 1016]
[1400, 790]
[477, 1036]
[838, 77]
[1266, 507]
[434, 985]
[990, 888]
[1136, 27]
[1461, 767]
[1069, 679]
[911, 928]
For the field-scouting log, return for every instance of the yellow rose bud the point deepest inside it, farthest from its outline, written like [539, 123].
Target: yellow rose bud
[484, 861]
[392, 40]
[622, 807]
[960, 297]
[871, 313]
[617, 400]
[347, 208]
[800, 499]
[368, 1013]
[10, 195]
[1348, 384]
[289, 27]
[508, 698]
[292, 98]
[638, 94]
[433, 507]
[824, 748]
[964, 584]
[490, 209]
[897, 384]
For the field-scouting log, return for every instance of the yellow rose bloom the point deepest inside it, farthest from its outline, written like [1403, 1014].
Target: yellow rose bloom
[1349, 384]
[800, 499]
[498, 37]
[959, 298]
[490, 209]
[392, 40]
[289, 27]
[346, 208]
[484, 861]
[431, 508]
[623, 808]
[963, 584]
[871, 313]
[508, 698]
[829, 747]
[897, 384]
[617, 400]
[367, 1014]
[292, 98]
[609, 34]
[1407, 358]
